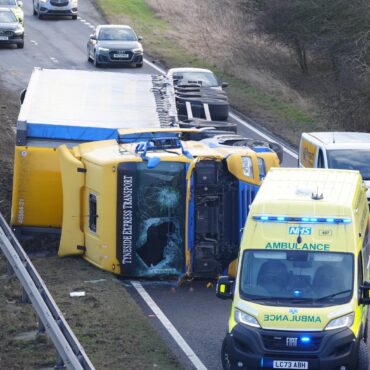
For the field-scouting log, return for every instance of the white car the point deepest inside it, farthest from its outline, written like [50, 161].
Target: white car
[195, 76]
[55, 8]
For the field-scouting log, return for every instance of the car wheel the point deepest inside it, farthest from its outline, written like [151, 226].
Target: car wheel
[33, 8]
[363, 356]
[39, 15]
[225, 360]
[88, 55]
[139, 65]
[96, 63]
[20, 45]
[74, 16]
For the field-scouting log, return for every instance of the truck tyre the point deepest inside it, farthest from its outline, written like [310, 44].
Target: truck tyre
[218, 125]
[363, 356]
[20, 45]
[74, 16]
[278, 149]
[226, 365]
[139, 65]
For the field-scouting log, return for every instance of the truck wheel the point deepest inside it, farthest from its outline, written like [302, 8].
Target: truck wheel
[278, 149]
[20, 45]
[139, 65]
[363, 357]
[74, 16]
[226, 364]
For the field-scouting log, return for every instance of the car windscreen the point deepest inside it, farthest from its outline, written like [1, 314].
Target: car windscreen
[350, 159]
[7, 17]
[297, 277]
[205, 79]
[117, 34]
[8, 3]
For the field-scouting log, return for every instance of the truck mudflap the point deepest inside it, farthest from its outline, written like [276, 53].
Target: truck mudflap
[72, 240]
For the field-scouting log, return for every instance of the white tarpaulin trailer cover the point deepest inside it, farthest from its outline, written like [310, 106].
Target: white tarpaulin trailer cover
[83, 105]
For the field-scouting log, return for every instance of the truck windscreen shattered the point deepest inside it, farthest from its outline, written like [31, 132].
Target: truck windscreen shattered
[151, 218]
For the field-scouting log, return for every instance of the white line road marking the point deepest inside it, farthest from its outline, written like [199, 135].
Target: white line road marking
[54, 60]
[33, 42]
[169, 327]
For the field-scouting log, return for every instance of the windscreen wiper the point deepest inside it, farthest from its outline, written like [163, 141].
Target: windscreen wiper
[334, 295]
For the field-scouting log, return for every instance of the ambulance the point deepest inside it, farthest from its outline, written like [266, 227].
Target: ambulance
[301, 291]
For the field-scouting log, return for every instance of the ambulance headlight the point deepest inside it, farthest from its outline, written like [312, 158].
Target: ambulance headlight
[345, 321]
[247, 166]
[244, 318]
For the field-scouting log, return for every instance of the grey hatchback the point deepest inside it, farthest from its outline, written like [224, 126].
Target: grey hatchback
[115, 44]
[11, 31]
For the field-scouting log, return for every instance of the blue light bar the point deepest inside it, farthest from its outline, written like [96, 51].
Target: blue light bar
[305, 339]
[308, 220]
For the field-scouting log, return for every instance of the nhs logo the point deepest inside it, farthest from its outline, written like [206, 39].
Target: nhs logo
[296, 230]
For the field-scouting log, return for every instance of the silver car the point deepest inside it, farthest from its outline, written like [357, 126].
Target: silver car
[55, 7]
[115, 45]
[11, 31]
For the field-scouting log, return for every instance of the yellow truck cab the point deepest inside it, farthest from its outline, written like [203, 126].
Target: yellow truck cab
[301, 292]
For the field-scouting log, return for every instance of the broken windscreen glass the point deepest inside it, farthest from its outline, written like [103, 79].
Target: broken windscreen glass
[151, 218]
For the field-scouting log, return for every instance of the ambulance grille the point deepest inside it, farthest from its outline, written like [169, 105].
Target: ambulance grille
[273, 342]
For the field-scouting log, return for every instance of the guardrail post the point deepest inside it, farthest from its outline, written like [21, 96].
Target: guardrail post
[59, 365]
[9, 270]
[40, 326]
[25, 298]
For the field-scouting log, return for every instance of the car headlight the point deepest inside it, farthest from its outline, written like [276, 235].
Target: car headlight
[345, 321]
[19, 31]
[138, 50]
[244, 318]
[247, 166]
[102, 49]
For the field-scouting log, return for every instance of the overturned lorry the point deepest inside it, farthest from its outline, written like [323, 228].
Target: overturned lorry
[100, 157]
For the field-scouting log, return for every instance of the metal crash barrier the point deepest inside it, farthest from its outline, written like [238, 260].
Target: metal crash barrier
[70, 351]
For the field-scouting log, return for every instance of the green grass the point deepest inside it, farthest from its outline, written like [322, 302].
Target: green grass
[283, 118]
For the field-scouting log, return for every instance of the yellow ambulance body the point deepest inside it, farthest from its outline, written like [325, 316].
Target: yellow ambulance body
[301, 293]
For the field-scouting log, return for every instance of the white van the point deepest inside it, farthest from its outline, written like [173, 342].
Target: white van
[340, 150]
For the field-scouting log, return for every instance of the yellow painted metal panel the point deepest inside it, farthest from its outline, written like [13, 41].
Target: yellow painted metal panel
[37, 188]
[73, 179]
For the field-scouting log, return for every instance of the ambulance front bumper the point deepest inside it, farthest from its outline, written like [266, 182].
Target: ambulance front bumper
[252, 348]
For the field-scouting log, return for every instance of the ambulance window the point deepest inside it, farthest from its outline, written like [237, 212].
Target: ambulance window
[320, 160]
[92, 212]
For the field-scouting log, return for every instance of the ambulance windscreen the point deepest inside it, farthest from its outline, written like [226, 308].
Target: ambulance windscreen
[297, 277]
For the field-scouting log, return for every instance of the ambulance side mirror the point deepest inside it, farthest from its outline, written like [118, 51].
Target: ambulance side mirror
[365, 293]
[225, 287]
